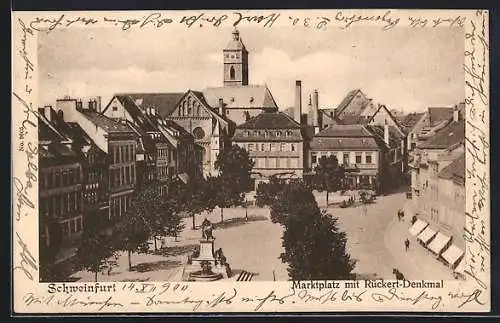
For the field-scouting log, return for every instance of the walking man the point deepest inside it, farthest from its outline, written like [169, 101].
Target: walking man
[407, 244]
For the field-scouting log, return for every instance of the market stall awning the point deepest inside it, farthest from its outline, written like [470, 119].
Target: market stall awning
[184, 177]
[439, 242]
[417, 227]
[426, 235]
[452, 254]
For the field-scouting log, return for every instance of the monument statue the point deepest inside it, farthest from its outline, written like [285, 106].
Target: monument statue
[207, 229]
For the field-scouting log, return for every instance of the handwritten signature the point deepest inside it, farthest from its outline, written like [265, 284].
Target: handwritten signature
[392, 294]
[28, 261]
[467, 298]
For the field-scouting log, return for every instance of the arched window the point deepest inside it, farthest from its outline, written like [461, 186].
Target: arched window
[231, 73]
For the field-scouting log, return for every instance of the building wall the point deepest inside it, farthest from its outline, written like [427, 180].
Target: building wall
[60, 201]
[238, 60]
[381, 117]
[116, 110]
[273, 158]
[440, 202]
[122, 176]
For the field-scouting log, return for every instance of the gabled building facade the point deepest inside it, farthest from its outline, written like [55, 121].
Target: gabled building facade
[117, 141]
[276, 144]
[60, 195]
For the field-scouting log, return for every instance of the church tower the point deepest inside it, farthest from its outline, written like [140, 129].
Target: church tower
[235, 62]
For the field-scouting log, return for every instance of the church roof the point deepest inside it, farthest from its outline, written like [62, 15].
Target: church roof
[242, 97]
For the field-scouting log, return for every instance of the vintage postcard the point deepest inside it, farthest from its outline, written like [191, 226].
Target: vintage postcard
[251, 161]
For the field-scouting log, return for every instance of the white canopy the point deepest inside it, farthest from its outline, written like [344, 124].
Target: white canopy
[439, 242]
[426, 235]
[417, 227]
[452, 254]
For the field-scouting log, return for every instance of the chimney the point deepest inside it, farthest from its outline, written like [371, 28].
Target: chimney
[455, 114]
[98, 103]
[91, 105]
[298, 101]
[320, 120]
[315, 107]
[386, 133]
[222, 109]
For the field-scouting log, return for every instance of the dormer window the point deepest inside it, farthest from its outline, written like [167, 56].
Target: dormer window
[278, 133]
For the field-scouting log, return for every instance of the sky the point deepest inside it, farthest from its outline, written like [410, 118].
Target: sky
[405, 69]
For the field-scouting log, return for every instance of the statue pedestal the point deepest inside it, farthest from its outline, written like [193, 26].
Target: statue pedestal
[194, 270]
[206, 252]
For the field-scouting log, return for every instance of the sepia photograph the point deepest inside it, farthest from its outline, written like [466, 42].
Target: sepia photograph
[219, 148]
[251, 155]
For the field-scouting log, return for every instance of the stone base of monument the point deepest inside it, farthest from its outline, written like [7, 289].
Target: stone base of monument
[195, 270]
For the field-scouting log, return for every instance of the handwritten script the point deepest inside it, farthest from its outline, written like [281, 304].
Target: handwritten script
[338, 19]
[477, 148]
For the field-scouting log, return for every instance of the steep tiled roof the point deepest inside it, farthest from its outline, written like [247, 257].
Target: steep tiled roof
[436, 115]
[344, 137]
[410, 120]
[333, 143]
[108, 124]
[47, 131]
[135, 112]
[350, 107]
[164, 103]
[450, 135]
[354, 130]
[378, 131]
[351, 120]
[243, 97]
[455, 169]
[270, 120]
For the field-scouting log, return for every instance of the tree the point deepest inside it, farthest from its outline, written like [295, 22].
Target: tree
[96, 247]
[139, 223]
[172, 220]
[330, 175]
[267, 192]
[235, 167]
[294, 197]
[314, 248]
[196, 197]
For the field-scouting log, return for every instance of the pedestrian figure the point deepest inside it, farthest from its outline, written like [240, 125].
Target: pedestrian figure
[399, 275]
[413, 220]
[401, 214]
[407, 244]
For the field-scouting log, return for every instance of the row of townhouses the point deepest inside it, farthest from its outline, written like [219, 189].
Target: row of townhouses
[438, 186]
